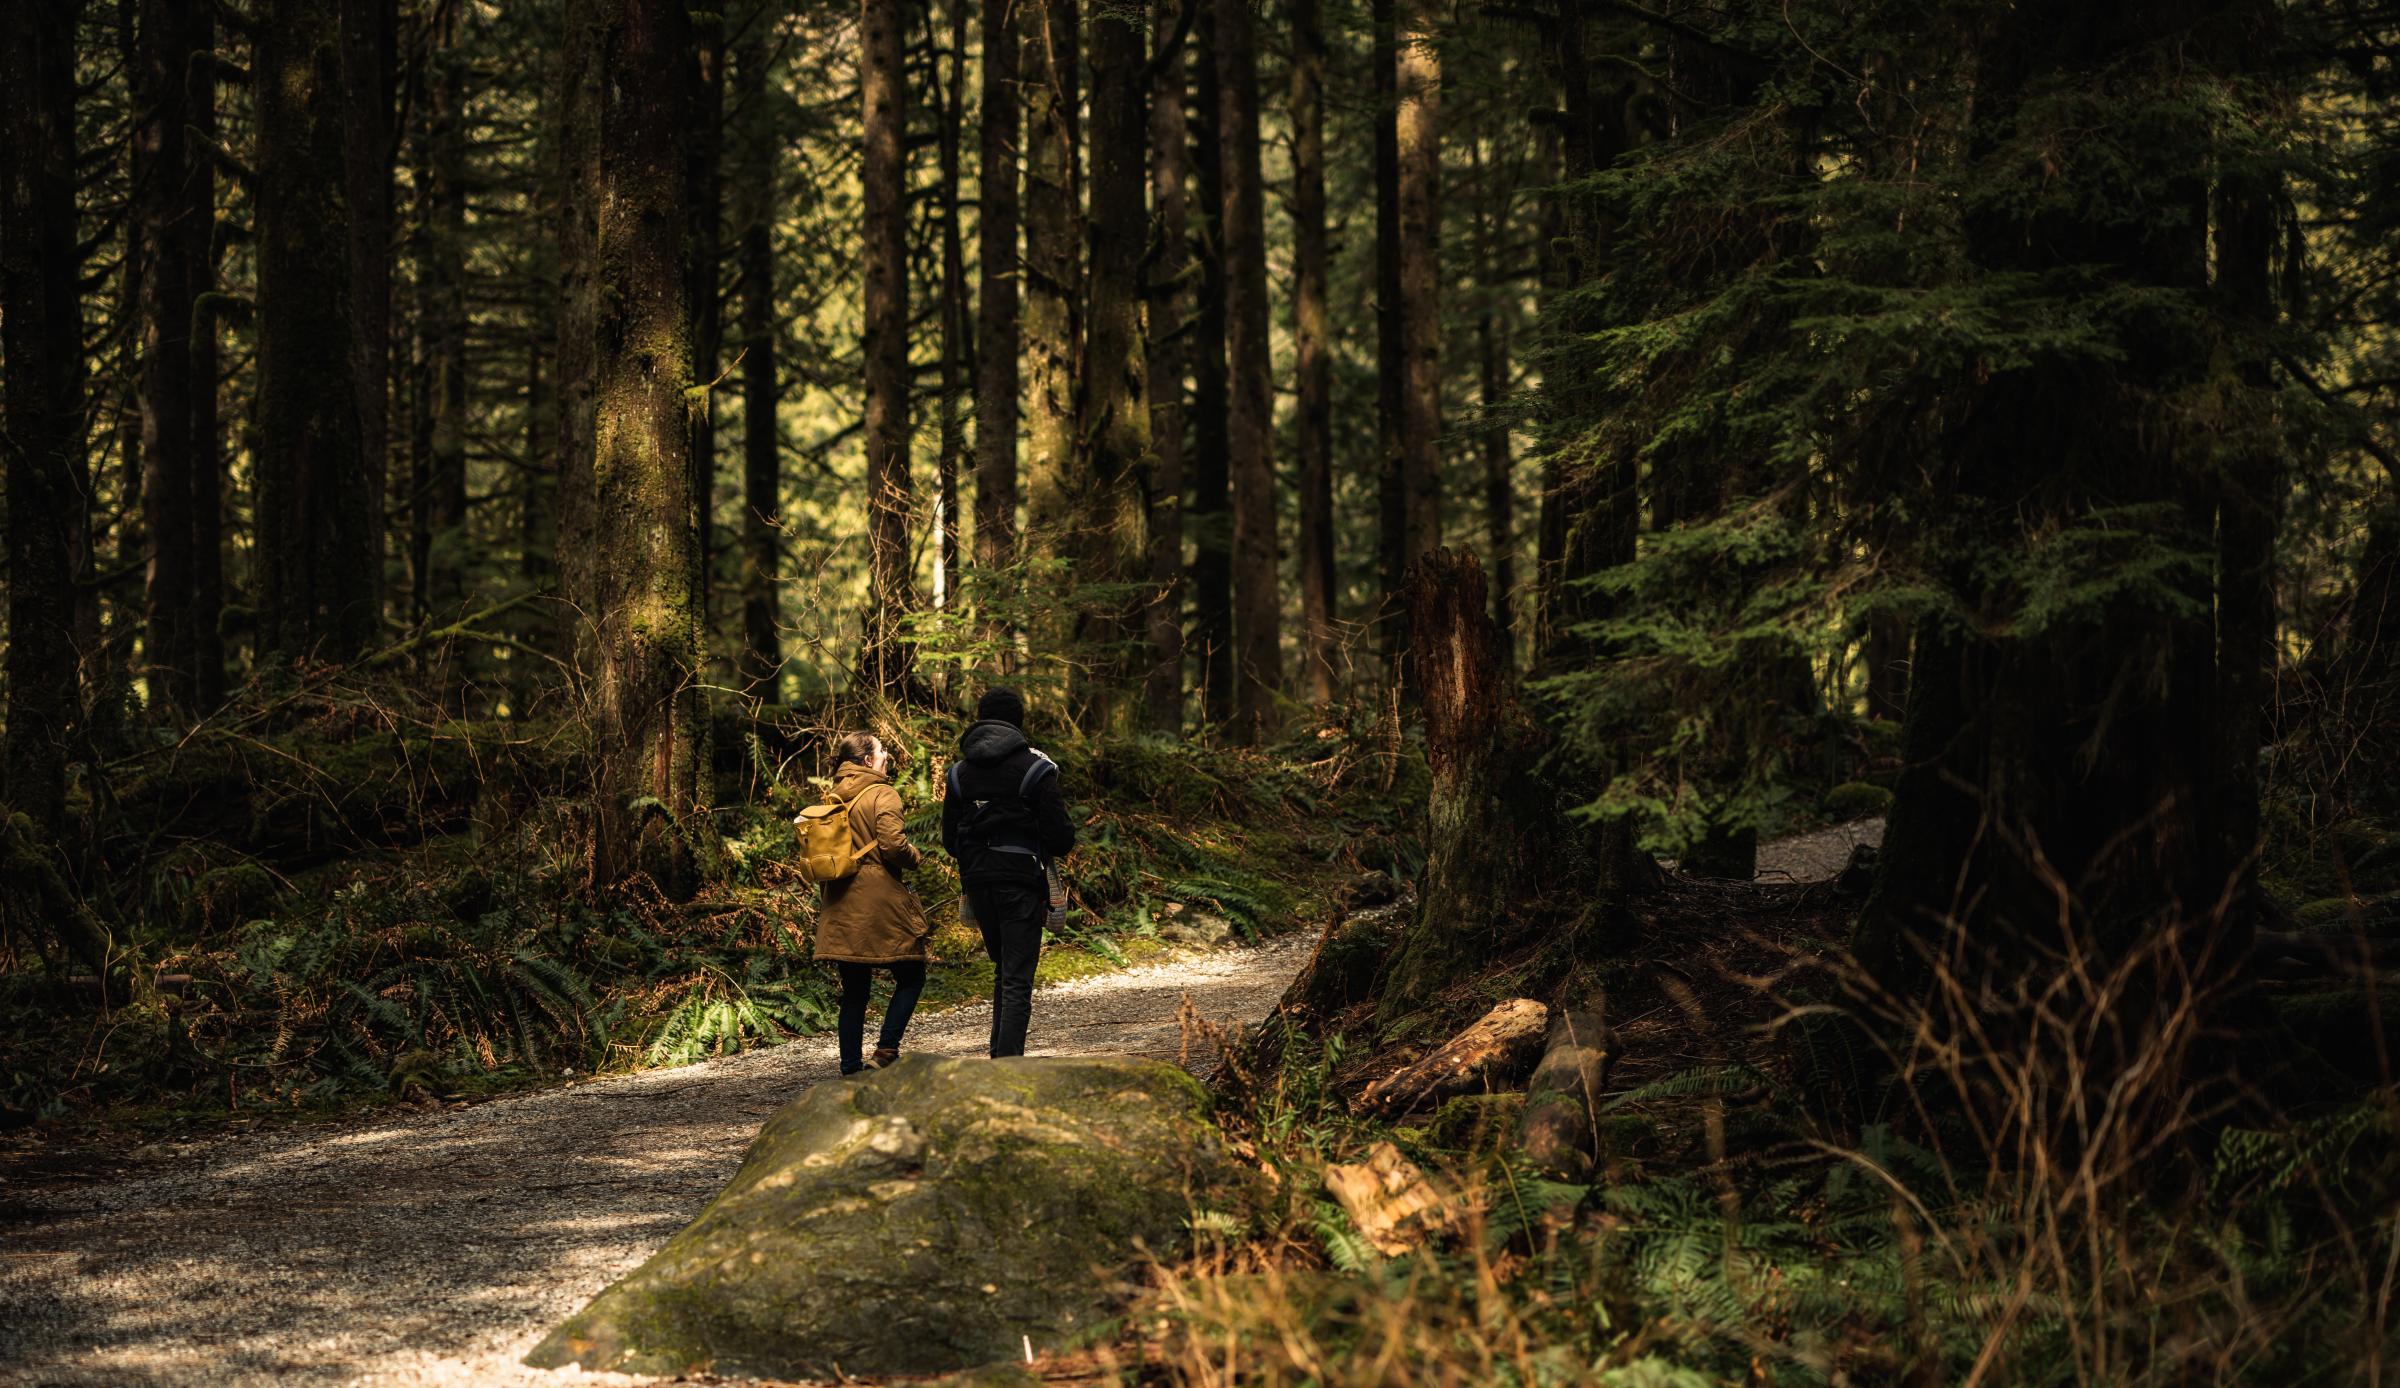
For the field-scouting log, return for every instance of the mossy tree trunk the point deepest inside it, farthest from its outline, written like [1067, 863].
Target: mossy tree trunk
[1312, 329]
[1249, 412]
[651, 724]
[315, 513]
[884, 662]
[1168, 354]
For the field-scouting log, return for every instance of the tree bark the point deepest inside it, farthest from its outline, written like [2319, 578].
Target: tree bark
[1499, 481]
[1168, 353]
[1492, 839]
[884, 663]
[1053, 279]
[1249, 418]
[1210, 516]
[955, 343]
[162, 236]
[762, 471]
[314, 512]
[1419, 122]
[1393, 549]
[207, 472]
[703, 171]
[1312, 346]
[1113, 407]
[41, 331]
[996, 327]
[577, 197]
[370, 63]
[651, 725]
[441, 544]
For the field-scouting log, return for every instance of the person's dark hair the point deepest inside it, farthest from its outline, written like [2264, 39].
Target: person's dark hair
[857, 747]
[1001, 705]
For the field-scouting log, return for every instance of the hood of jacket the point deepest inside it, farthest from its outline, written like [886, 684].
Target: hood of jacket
[990, 742]
[853, 779]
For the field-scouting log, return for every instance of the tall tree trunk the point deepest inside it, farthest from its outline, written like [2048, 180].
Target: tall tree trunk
[1886, 658]
[162, 235]
[370, 72]
[955, 345]
[1211, 514]
[2058, 786]
[1114, 405]
[884, 89]
[1053, 278]
[207, 472]
[1249, 417]
[442, 323]
[1499, 481]
[1169, 350]
[1420, 83]
[1312, 344]
[576, 194]
[704, 194]
[996, 327]
[314, 514]
[762, 473]
[652, 730]
[1391, 370]
[42, 323]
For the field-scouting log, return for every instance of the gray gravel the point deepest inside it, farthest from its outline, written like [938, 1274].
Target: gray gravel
[1815, 857]
[437, 1247]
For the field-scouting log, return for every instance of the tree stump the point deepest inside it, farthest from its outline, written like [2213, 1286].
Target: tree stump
[1488, 1055]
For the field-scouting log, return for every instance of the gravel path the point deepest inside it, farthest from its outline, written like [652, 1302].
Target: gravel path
[423, 1248]
[438, 1247]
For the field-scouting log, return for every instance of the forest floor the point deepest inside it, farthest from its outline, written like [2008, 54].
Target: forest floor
[436, 1246]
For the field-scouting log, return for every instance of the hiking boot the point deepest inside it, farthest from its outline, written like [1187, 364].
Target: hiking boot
[884, 1055]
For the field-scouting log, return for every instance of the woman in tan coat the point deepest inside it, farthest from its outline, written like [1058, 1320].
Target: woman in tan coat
[872, 918]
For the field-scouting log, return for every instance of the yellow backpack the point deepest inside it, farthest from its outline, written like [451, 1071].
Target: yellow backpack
[827, 853]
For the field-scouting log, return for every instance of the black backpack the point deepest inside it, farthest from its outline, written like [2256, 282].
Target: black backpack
[992, 822]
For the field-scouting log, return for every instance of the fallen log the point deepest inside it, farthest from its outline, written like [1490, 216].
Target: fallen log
[1562, 1101]
[1492, 1054]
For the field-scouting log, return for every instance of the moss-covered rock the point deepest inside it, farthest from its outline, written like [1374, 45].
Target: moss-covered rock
[926, 1218]
[1856, 800]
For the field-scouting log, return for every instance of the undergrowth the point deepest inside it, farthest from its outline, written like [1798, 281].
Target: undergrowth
[479, 960]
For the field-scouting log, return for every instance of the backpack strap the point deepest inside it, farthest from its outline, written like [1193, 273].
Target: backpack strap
[958, 786]
[1042, 766]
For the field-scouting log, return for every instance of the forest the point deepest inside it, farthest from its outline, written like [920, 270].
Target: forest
[1717, 669]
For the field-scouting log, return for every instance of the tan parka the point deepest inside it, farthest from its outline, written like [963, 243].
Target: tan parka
[872, 918]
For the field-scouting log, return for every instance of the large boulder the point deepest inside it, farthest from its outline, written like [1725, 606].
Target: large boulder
[929, 1217]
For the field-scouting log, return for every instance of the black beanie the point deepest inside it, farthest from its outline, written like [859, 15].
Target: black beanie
[1001, 706]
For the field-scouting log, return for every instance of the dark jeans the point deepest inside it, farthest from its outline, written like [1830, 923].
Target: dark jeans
[1011, 915]
[908, 980]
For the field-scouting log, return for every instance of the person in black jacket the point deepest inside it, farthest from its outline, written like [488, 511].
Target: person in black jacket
[1005, 822]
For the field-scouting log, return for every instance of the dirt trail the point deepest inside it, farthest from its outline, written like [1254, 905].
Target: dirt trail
[437, 1247]
[419, 1248]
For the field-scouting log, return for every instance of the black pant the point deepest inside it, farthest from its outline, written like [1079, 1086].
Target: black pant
[908, 980]
[1011, 916]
